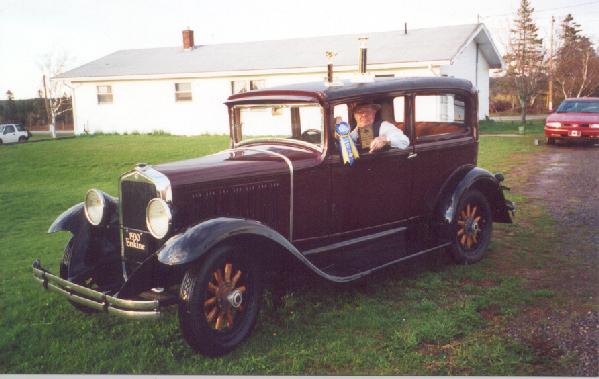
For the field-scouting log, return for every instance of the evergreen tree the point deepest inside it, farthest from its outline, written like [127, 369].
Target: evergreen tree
[576, 71]
[524, 58]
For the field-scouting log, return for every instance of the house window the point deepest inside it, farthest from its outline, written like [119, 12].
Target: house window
[183, 91]
[104, 94]
[241, 86]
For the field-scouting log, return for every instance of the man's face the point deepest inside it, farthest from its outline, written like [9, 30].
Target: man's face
[364, 116]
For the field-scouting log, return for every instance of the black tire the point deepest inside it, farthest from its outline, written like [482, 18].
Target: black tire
[64, 273]
[22, 139]
[471, 229]
[203, 301]
[550, 141]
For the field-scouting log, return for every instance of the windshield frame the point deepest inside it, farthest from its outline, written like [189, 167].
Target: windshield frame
[288, 141]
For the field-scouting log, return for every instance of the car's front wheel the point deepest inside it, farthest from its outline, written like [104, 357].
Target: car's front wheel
[550, 141]
[219, 300]
[86, 281]
[472, 228]
[22, 139]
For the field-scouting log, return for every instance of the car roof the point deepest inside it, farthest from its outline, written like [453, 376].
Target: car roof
[349, 89]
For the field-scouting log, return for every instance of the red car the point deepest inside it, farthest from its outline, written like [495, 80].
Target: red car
[574, 119]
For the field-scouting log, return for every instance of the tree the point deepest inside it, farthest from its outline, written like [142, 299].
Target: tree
[525, 57]
[54, 91]
[577, 64]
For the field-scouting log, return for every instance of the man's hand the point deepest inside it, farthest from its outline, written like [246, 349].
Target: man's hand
[378, 144]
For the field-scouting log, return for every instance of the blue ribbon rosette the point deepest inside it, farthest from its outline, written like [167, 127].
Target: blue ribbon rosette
[349, 153]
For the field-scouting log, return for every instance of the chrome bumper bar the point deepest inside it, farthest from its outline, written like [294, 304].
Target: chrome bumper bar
[95, 299]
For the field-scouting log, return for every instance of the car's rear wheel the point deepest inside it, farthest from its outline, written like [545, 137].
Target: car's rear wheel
[550, 141]
[471, 228]
[219, 300]
[86, 281]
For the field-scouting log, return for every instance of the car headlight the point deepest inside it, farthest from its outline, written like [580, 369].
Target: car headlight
[158, 218]
[594, 125]
[554, 124]
[94, 206]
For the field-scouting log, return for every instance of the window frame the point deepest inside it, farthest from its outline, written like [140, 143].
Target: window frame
[107, 97]
[183, 96]
[467, 123]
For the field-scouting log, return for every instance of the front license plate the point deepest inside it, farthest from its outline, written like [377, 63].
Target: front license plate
[574, 133]
[135, 240]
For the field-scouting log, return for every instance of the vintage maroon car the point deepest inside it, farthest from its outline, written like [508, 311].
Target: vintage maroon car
[574, 120]
[208, 234]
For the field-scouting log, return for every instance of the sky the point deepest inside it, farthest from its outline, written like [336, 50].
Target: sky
[86, 30]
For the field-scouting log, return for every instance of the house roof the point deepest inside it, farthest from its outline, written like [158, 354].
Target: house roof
[395, 47]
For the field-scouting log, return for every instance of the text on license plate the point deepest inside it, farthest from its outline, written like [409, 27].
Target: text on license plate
[135, 240]
[574, 133]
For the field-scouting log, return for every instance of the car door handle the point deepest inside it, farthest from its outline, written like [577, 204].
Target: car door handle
[412, 155]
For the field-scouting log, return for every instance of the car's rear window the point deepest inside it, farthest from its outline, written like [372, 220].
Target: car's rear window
[574, 106]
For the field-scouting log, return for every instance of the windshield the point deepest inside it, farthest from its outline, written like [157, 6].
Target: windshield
[573, 106]
[298, 122]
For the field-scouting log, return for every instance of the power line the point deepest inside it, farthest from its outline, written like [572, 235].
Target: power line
[546, 9]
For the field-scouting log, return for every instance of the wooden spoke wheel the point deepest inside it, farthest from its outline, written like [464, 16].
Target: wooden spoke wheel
[472, 228]
[227, 300]
[220, 299]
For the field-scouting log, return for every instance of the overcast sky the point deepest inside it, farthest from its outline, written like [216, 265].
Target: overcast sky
[88, 30]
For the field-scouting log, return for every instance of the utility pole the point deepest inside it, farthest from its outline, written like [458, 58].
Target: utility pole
[550, 76]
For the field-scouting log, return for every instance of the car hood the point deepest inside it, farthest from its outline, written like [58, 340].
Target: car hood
[229, 166]
[586, 118]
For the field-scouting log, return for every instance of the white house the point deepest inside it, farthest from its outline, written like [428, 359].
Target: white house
[181, 90]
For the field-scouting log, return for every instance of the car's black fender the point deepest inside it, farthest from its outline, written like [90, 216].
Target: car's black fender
[93, 247]
[470, 178]
[197, 241]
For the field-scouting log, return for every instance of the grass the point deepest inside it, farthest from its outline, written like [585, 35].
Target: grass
[426, 317]
[510, 127]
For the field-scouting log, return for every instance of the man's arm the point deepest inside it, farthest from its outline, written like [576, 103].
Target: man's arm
[394, 135]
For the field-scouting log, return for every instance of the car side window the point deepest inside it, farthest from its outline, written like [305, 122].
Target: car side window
[20, 128]
[9, 129]
[440, 116]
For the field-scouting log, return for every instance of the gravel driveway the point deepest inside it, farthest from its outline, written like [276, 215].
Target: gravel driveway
[566, 183]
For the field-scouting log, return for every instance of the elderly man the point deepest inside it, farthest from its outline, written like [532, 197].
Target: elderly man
[372, 135]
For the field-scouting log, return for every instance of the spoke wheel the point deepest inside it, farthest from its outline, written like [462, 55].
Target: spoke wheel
[219, 300]
[226, 304]
[472, 228]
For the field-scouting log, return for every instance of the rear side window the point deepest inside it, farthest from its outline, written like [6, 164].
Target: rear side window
[20, 128]
[440, 116]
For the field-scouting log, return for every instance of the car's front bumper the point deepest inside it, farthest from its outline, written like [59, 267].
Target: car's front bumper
[139, 309]
[566, 133]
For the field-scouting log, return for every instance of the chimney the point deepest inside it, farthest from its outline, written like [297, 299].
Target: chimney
[188, 39]
[405, 28]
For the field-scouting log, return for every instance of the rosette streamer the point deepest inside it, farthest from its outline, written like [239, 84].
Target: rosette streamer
[349, 153]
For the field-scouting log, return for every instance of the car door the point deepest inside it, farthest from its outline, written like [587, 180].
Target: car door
[444, 141]
[373, 193]
[10, 134]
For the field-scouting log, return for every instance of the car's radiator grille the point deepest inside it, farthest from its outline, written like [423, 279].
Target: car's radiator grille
[134, 200]
[254, 201]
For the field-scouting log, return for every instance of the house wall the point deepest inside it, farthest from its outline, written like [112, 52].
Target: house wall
[464, 66]
[146, 106]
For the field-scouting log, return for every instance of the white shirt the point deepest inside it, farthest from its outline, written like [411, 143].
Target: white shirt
[395, 136]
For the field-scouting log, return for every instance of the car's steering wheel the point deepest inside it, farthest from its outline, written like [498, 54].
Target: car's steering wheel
[311, 135]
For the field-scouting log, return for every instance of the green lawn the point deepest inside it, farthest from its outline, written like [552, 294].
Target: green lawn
[510, 127]
[426, 317]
